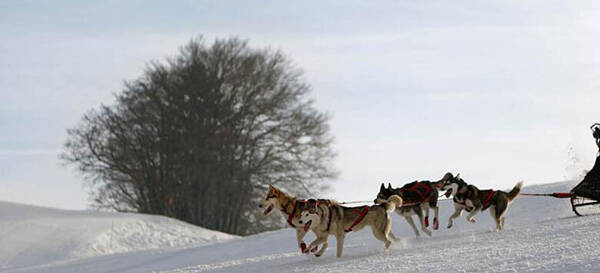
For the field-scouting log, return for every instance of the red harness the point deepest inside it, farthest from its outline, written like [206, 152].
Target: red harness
[291, 216]
[361, 215]
[415, 188]
[487, 199]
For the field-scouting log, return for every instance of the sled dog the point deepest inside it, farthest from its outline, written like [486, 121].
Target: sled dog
[423, 194]
[474, 200]
[330, 218]
[288, 205]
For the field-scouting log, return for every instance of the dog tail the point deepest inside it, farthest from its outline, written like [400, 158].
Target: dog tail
[393, 202]
[515, 191]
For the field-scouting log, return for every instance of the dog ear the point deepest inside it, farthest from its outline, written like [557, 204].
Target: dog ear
[389, 186]
[273, 189]
[457, 176]
[382, 187]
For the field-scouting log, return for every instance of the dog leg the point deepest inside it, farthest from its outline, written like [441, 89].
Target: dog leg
[410, 221]
[436, 222]
[472, 214]
[323, 248]
[500, 214]
[300, 233]
[425, 207]
[380, 235]
[387, 228]
[423, 227]
[340, 244]
[495, 217]
[321, 239]
[457, 212]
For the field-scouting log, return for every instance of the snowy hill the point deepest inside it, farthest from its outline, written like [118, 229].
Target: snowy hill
[31, 235]
[541, 235]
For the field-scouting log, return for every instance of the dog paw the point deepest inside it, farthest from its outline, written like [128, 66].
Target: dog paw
[303, 248]
[314, 249]
[472, 220]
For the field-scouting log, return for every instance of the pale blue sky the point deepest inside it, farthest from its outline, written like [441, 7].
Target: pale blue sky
[496, 90]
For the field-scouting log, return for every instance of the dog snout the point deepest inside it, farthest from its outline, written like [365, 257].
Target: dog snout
[300, 222]
[260, 205]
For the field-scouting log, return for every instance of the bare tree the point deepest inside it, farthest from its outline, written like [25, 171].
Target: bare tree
[200, 137]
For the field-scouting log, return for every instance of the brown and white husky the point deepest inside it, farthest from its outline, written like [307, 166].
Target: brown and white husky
[330, 218]
[288, 205]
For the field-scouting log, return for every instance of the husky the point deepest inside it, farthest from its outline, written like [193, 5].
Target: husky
[330, 218]
[288, 205]
[423, 195]
[474, 200]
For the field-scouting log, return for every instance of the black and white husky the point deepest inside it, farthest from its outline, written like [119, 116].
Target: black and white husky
[473, 200]
[418, 196]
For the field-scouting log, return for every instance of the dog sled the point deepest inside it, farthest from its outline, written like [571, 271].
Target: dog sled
[585, 196]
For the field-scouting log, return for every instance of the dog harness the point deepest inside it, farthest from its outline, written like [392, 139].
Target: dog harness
[485, 204]
[361, 215]
[415, 188]
[291, 216]
[319, 202]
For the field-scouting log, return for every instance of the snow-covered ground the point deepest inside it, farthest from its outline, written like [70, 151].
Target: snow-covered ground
[31, 235]
[541, 235]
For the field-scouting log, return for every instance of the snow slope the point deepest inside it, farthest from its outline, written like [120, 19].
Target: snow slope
[31, 235]
[541, 235]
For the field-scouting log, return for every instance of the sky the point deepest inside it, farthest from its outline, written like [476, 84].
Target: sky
[500, 91]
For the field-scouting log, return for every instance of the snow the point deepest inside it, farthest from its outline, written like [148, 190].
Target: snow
[31, 235]
[541, 235]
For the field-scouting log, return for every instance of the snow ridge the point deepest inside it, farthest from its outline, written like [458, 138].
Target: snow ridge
[32, 235]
